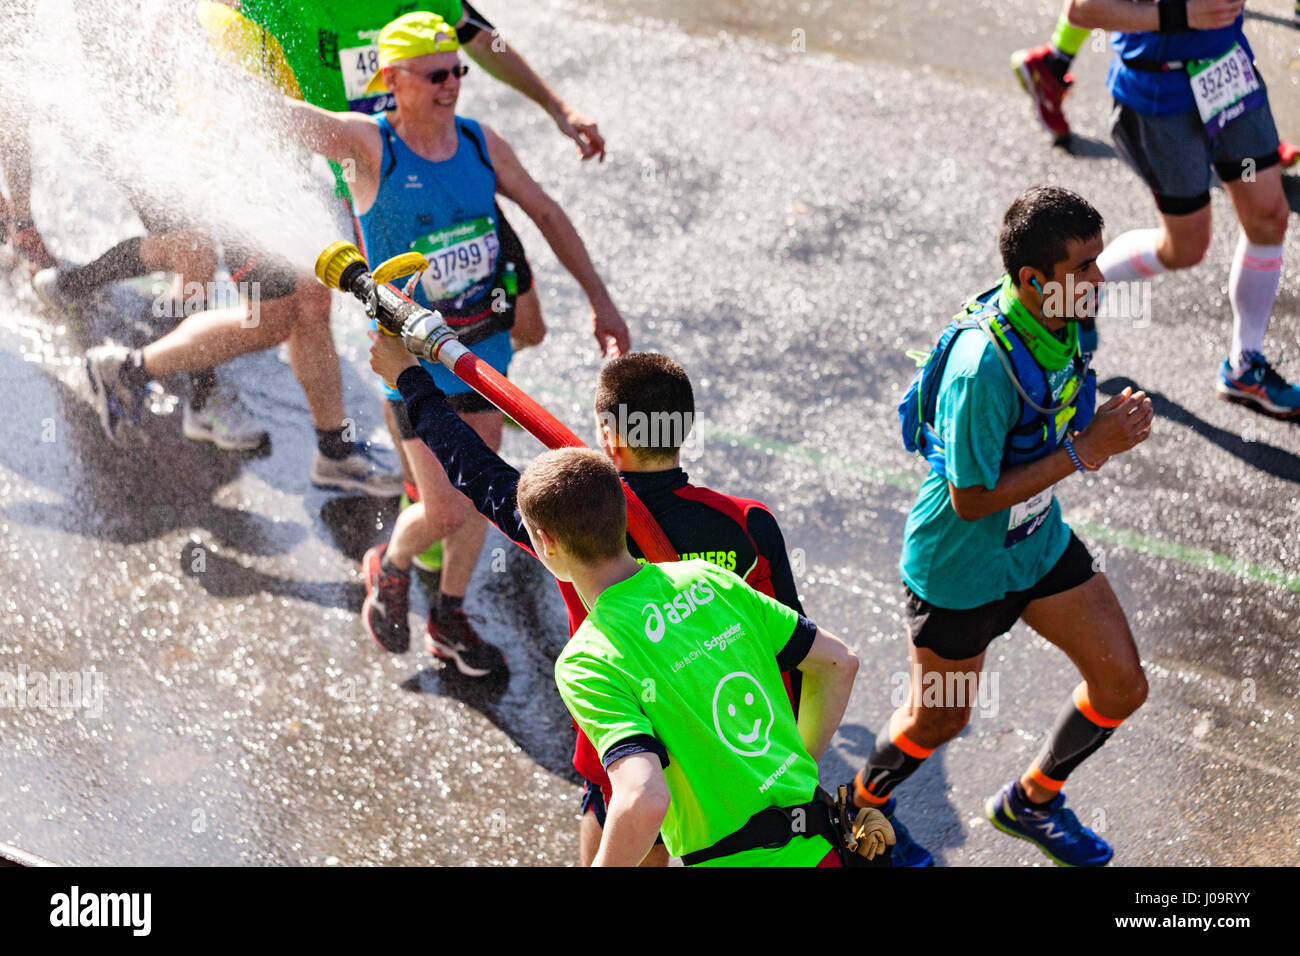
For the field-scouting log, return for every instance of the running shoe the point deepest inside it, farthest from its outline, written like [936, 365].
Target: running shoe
[1052, 827]
[1044, 87]
[1289, 153]
[907, 852]
[455, 639]
[1260, 387]
[225, 421]
[119, 407]
[387, 607]
[430, 562]
[359, 471]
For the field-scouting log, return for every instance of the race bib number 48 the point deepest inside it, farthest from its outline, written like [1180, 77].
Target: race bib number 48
[460, 258]
[358, 64]
[1028, 516]
[1225, 88]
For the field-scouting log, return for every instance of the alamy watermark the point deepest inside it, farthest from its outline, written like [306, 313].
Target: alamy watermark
[206, 296]
[948, 689]
[654, 431]
[53, 690]
[1128, 301]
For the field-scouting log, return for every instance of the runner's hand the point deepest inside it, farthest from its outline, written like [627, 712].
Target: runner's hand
[1120, 424]
[611, 331]
[582, 131]
[388, 356]
[1212, 14]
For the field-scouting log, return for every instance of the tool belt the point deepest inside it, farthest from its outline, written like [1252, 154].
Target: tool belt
[774, 827]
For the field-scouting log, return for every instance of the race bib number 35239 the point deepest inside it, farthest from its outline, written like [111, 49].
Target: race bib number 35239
[1225, 88]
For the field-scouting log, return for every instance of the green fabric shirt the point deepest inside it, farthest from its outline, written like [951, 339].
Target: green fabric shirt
[686, 652]
[958, 564]
[331, 44]
[331, 47]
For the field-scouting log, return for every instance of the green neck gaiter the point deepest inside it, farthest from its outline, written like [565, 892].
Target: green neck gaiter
[1049, 351]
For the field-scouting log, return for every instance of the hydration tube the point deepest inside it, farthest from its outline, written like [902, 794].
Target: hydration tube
[424, 333]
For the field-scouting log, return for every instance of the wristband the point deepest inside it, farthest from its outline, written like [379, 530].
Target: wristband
[1173, 16]
[1068, 445]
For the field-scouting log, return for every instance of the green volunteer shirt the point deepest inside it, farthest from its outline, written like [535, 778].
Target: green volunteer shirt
[331, 44]
[960, 564]
[686, 653]
[332, 48]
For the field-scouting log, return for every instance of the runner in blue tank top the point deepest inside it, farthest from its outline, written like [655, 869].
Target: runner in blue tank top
[426, 179]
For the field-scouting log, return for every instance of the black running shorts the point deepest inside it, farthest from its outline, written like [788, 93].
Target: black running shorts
[959, 635]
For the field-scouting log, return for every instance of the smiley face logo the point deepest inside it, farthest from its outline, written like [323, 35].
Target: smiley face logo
[742, 714]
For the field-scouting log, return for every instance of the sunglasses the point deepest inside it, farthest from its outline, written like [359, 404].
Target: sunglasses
[438, 77]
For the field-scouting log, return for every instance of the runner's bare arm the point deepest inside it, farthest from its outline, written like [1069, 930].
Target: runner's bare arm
[337, 136]
[1120, 424]
[1142, 16]
[515, 184]
[828, 671]
[491, 51]
[636, 811]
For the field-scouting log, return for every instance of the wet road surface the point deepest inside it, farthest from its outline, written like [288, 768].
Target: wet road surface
[786, 224]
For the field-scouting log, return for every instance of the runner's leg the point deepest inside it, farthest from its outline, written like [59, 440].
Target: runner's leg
[1087, 623]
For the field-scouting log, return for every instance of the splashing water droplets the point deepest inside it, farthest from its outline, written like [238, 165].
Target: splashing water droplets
[130, 104]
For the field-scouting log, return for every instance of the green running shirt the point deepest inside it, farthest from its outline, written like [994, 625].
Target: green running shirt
[686, 652]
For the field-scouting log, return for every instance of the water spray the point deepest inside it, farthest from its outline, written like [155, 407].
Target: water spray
[424, 333]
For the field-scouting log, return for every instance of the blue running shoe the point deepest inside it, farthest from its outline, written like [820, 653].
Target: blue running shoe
[907, 852]
[1259, 387]
[1053, 828]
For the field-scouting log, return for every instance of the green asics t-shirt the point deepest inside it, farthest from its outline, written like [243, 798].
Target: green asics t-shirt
[958, 564]
[686, 653]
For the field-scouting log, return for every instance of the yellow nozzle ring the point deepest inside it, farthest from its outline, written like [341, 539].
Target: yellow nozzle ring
[398, 267]
[336, 257]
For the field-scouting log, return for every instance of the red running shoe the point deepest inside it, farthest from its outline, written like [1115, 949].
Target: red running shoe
[387, 605]
[1047, 91]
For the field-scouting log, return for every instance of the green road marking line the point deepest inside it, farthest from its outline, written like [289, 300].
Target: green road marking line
[903, 481]
[1194, 557]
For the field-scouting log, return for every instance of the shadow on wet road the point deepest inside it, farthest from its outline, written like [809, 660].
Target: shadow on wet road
[1258, 454]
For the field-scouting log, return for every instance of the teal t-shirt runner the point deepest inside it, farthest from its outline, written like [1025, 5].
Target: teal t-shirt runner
[686, 652]
[957, 564]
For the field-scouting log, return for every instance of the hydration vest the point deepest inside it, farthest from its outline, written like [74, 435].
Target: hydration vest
[1040, 426]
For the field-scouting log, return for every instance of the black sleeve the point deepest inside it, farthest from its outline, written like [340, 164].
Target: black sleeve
[474, 469]
[640, 744]
[474, 21]
[797, 648]
[762, 527]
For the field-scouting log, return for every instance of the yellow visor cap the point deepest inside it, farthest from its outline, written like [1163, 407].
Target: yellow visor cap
[409, 36]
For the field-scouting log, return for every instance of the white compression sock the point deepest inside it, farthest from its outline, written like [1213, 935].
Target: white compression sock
[1131, 256]
[1252, 287]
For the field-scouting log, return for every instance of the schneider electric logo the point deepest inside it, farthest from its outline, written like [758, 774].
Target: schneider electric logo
[684, 602]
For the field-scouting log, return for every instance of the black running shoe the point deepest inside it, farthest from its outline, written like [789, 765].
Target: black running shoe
[387, 605]
[454, 639]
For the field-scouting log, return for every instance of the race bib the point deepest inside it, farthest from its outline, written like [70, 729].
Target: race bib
[1028, 516]
[460, 258]
[1225, 88]
[358, 64]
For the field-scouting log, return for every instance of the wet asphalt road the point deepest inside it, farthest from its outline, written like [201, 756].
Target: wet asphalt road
[785, 224]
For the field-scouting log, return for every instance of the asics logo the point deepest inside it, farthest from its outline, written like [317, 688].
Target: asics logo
[684, 602]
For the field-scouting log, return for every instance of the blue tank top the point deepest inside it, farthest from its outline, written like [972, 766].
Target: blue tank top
[1166, 94]
[445, 210]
